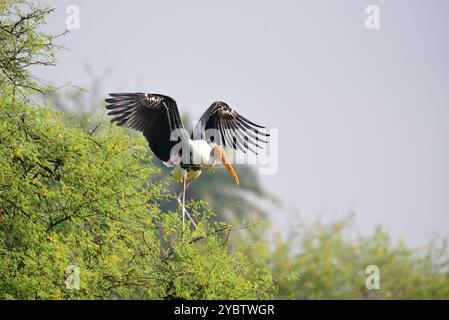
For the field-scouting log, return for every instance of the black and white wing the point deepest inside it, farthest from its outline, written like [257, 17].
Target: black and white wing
[155, 115]
[230, 129]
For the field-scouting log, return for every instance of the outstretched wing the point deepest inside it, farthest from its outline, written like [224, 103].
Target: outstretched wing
[230, 129]
[155, 115]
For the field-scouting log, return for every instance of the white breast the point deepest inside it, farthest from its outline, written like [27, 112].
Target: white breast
[200, 152]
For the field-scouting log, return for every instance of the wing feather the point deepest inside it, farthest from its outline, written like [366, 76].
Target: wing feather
[155, 115]
[234, 130]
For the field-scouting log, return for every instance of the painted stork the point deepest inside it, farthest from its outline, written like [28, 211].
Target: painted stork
[157, 117]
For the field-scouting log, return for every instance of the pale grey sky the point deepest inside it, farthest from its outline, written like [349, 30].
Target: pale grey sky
[363, 116]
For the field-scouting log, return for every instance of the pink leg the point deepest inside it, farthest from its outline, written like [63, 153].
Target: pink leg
[183, 201]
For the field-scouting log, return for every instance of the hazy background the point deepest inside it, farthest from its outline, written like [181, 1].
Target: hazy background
[363, 116]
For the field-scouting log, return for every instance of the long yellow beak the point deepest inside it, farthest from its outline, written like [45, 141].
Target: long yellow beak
[224, 159]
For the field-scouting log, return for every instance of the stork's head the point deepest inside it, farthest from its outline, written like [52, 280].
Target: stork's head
[219, 154]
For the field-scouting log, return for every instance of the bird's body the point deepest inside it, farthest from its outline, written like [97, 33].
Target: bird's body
[179, 173]
[201, 155]
[157, 117]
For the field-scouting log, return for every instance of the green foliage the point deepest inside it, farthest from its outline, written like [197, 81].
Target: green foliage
[22, 44]
[323, 261]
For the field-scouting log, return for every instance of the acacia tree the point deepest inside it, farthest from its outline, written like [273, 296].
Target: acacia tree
[23, 45]
[90, 201]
